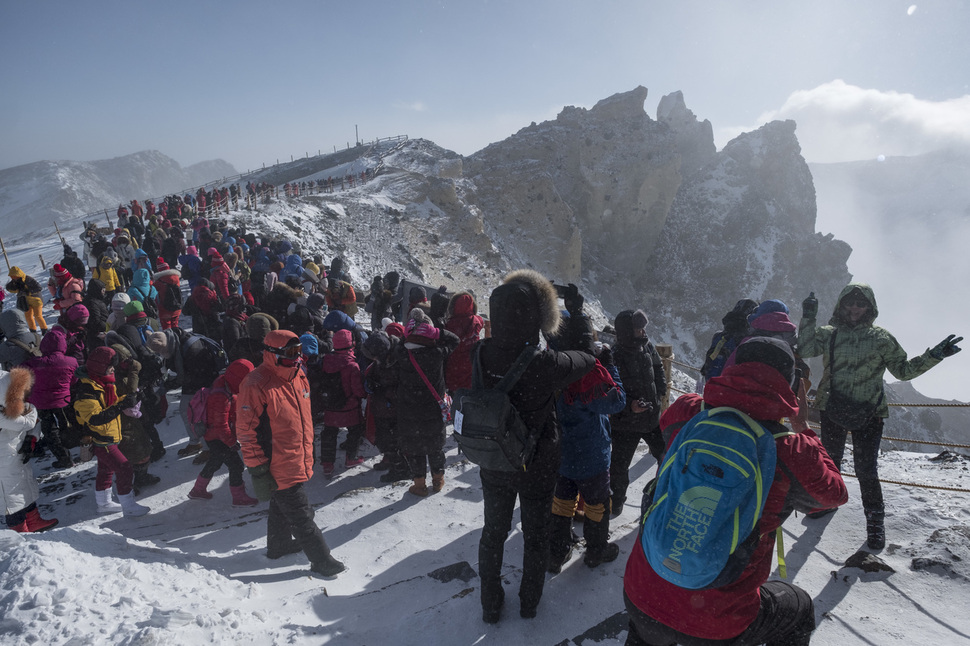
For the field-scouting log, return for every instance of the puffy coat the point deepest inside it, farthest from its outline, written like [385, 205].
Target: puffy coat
[97, 312]
[863, 353]
[53, 374]
[344, 362]
[17, 483]
[18, 339]
[220, 413]
[466, 324]
[643, 377]
[274, 423]
[163, 280]
[72, 291]
[219, 275]
[584, 410]
[420, 429]
[100, 421]
[191, 268]
[141, 287]
[805, 480]
[105, 272]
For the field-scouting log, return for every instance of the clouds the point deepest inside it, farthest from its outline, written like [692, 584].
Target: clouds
[842, 122]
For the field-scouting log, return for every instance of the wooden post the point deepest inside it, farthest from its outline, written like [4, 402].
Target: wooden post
[666, 352]
[43, 265]
[4, 248]
[110, 226]
[58, 229]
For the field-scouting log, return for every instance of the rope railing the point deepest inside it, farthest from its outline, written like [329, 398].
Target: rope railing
[911, 484]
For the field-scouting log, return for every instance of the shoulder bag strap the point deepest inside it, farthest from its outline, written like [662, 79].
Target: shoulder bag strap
[414, 362]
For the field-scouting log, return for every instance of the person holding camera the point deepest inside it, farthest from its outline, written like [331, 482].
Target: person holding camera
[855, 356]
[642, 374]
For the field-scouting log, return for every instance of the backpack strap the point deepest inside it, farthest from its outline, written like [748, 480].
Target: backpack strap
[511, 377]
[427, 382]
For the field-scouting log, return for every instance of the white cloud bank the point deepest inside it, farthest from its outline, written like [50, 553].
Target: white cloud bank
[842, 122]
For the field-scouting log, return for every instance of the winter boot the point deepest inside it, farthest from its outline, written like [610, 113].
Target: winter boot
[876, 529]
[63, 457]
[201, 458]
[143, 478]
[327, 470]
[37, 524]
[560, 542]
[328, 567]
[419, 488]
[105, 504]
[596, 531]
[198, 491]
[20, 528]
[384, 464]
[398, 470]
[240, 498]
[158, 448]
[437, 481]
[189, 449]
[130, 507]
[351, 462]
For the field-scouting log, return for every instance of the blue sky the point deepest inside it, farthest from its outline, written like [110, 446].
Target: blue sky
[252, 82]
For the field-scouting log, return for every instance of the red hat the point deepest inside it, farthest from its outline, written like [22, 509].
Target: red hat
[60, 273]
[100, 359]
[395, 329]
[161, 265]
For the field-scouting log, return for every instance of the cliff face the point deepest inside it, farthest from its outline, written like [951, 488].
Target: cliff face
[648, 213]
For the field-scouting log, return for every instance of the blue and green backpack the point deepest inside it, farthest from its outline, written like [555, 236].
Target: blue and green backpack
[699, 526]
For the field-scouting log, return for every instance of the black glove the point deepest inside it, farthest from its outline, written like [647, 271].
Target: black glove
[573, 300]
[27, 448]
[606, 356]
[810, 306]
[947, 347]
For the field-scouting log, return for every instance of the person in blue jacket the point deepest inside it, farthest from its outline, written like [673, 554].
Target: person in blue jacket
[584, 410]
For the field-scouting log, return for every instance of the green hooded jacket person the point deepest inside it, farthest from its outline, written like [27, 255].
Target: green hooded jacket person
[855, 356]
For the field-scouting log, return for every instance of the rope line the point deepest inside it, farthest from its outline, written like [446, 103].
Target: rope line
[913, 484]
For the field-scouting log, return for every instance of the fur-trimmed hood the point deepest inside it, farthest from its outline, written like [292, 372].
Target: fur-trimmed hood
[165, 273]
[524, 305]
[14, 386]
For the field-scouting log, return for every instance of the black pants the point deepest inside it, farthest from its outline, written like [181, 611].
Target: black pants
[534, 489]
[53, 422]
[865, 456]
[625, 445]
[786, 618]
[220, 454]
[291, 517]
[420, 464]
[384, 437]
[328, 442]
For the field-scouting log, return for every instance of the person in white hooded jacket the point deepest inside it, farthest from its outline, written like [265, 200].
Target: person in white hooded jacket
[18, 436]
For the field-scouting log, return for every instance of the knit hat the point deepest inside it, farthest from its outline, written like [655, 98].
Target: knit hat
[161, 265]
[161, 344]
[192, 250]
[310, 343]
[317, 302]
[135, 312]
[772, 352]
[77, 314]
[16, 272]
[395, 329]
[100, 359]
[119, 300]
[342, 340]
[767, 307]
[60, 274]
[377, 345]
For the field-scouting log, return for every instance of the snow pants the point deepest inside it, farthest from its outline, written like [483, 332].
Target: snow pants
[291, 517]
[865, 456]
[113, 465]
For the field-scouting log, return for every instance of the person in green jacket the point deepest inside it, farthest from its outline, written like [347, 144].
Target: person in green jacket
[855, 356]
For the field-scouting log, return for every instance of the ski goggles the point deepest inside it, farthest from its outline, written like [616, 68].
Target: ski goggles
[291, 350]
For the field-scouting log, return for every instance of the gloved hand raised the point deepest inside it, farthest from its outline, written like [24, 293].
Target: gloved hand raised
[947, 347]
[264, 484]
[810, 306]
[27, 448]
[606, 355]
[573, 300]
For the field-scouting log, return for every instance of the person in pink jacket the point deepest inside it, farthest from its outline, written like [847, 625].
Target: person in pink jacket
[51, 394]
[220, 436]
[65, 289]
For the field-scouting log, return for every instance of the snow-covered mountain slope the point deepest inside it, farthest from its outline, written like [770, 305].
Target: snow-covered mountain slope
[34, 196]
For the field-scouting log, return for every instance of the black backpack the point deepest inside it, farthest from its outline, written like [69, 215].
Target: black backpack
[331, 391]
[172, 297]
[212, 362]
[488, 428]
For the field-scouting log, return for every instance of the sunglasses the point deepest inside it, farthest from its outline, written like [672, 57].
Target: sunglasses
[855, 303]
[291, 350]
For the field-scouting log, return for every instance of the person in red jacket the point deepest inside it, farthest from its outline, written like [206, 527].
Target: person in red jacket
[275, 429]
[464, 322]
[169, 300]
[751, 609]
[342, 360]
[220, 436]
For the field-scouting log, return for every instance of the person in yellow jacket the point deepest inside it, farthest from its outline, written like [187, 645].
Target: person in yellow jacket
[29, 300]
[99, 408]
[107, 274]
